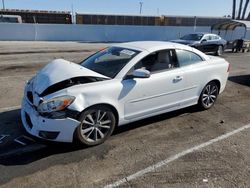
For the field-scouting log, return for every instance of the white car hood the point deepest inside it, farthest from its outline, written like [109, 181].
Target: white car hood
[60, 70]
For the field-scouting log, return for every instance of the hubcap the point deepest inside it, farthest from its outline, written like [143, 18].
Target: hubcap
[95, 125]
[209, 96]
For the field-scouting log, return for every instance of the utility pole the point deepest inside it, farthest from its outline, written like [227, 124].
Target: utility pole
[234, 9]
[240, 9]
[245, 9]
[141, 3]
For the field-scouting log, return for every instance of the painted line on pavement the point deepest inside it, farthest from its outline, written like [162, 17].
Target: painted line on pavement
[5, 109]
[2, 137]
[16, 76]
[175, 157]
[19, 141]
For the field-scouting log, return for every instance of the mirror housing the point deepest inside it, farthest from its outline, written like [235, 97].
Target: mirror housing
[141, 73]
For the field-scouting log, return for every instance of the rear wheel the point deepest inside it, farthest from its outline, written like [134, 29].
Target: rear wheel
[219, 51]
[97, 124]
[208, 95]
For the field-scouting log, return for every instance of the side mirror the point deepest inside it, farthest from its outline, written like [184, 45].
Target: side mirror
[141, 73]
[204, 40]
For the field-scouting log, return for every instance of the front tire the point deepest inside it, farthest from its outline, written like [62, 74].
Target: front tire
[208, 96]
[97, 124]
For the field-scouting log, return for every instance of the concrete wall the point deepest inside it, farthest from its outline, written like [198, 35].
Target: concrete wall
[92, 33]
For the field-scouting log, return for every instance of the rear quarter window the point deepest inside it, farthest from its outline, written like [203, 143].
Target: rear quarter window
[187, 58]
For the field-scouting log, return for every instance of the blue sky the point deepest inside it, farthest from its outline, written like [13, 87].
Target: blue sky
[150, 7]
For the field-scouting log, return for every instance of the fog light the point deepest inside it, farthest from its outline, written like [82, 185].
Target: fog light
[48, 135]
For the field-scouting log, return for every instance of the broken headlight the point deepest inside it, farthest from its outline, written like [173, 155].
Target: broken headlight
[55, 104]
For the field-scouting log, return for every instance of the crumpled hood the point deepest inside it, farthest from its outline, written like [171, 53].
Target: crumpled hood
[59, 70]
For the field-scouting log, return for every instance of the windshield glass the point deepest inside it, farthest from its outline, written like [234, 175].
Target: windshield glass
[110, 61]
[194, 37]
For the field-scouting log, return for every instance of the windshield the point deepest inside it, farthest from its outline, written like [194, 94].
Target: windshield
[194, 37]
[110, 61]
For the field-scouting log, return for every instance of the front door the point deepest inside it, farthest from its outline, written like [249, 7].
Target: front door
[161, 92]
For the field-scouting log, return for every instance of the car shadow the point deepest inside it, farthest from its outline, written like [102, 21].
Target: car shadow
[242, 79]
[53, 148]
[155, 119]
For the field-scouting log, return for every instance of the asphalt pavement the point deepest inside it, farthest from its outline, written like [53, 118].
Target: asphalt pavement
[184, 148]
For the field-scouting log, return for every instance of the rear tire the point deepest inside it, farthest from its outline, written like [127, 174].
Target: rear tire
[219, 51]
[97, 124]
[208, 96]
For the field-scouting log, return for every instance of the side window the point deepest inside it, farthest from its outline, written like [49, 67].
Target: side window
[187, 58]
[215, 37]
[158, 61]
[208, 37]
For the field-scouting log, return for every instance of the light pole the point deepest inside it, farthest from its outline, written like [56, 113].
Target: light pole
[195, 23]
[72, 12]
[141, 3]
[3, 8]
[3, 4]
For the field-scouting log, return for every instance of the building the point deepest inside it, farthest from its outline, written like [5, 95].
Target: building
[40, 16]
[100, 19]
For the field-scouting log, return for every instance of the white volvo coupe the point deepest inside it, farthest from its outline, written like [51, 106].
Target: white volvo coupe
[118, 85]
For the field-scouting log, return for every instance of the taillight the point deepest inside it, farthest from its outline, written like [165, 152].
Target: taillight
[229, 66]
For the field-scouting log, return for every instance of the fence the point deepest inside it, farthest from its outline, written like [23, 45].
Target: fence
[97, 33]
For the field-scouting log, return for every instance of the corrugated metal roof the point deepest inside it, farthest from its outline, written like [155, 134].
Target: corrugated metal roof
[231, 25]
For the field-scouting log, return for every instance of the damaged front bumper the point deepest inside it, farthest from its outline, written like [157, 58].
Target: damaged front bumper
[61, 130]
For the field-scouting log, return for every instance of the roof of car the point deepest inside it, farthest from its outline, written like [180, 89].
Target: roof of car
[151, 45]
[200, 33]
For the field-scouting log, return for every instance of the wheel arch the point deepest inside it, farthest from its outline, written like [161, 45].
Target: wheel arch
[218, 83]
[114, 110]
[199, 103]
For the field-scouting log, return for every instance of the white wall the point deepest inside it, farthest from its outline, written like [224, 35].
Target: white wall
[92, 33]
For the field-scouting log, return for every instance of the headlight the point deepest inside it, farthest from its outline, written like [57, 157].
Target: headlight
[55, 104]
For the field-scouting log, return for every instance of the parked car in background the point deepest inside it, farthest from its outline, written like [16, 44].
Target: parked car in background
[205, 42]
[116, 86]
[10, 19]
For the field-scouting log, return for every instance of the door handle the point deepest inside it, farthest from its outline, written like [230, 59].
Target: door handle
[178, 78]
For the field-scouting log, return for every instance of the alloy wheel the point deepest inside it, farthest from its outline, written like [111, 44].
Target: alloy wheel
[209, 95]
[96, 126]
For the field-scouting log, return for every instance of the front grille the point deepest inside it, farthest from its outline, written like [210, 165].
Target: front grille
[61, 114]
[28, 120]
[30, 97]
